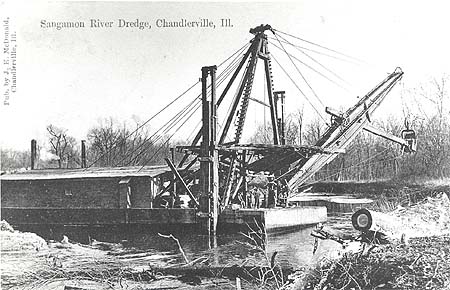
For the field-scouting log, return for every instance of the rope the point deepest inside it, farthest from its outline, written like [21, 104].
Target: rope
[166, 131]
[236, 52]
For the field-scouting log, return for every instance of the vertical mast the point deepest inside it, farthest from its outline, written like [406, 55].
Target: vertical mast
[209, 178]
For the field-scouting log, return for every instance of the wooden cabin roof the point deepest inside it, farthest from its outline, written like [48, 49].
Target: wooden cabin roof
[94, 172]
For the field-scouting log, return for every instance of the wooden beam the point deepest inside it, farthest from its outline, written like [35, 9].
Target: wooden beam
[273, 117]
[219, 101]
[248, 71]
[180, 179]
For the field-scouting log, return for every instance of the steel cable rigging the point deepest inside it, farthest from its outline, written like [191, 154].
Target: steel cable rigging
[170, 125]
[183, 113]
[300, 73]
[314, 60]
[299, 89]
[313, 69]
[321, 46]
[163, 109]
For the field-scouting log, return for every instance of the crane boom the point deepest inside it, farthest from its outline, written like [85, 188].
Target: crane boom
[343, 130]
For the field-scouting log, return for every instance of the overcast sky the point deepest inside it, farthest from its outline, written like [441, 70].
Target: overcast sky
[74, 77]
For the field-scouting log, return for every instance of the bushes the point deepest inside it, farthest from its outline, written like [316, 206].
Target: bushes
[424, 264]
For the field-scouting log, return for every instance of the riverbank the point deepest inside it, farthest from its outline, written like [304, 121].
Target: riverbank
[417, 217]
[422, 264]
[30, 262]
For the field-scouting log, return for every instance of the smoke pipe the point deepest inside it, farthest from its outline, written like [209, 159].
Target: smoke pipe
[83, 153]
[33, 153]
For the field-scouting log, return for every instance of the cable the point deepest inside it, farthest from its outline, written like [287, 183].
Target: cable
[315, 51]
[163, 109]
[155, 115]
[222, 76]
[236, 52]
[314, 70]
[300, 90]
[354, 165]
[304, 79]
[317, 62]
[378, 98]
[321, 46]
[167, 141]
[166, 131]
[144, 143]
[146, 122]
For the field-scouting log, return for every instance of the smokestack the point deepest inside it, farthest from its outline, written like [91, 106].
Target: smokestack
[83, 153]
[33, 153]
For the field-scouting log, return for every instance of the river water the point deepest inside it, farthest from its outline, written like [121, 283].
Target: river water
[294, 249]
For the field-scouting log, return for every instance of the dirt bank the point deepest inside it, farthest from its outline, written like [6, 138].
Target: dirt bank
[422, 261]
[423, 264]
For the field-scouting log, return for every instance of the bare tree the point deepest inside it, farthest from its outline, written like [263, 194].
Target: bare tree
[263, 134]
[114, 144]
[313, 131]
[14, 159]
[294, 128]
[63, 146]
[369, 157]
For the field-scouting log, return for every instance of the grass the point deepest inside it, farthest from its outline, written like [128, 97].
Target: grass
[270, 276]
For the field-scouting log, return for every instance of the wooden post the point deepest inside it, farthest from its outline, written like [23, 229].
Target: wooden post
[280, 95]
[209, 176]
[244, 177]
[33, 154]
[269, 83]
[180, 179]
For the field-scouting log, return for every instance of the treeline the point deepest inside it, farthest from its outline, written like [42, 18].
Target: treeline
[110, 143]
[370, 157]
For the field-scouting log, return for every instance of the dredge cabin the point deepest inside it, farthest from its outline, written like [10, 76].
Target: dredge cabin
[123, 196]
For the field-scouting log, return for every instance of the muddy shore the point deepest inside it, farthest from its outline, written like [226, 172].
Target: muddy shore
[29, 262]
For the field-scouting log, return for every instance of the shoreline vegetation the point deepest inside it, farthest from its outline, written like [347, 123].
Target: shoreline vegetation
[420, 262]
[419, 212]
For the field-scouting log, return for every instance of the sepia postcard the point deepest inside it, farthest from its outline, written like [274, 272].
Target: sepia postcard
[225, 145]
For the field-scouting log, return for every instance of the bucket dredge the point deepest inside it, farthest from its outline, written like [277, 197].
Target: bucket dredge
[229, 179]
